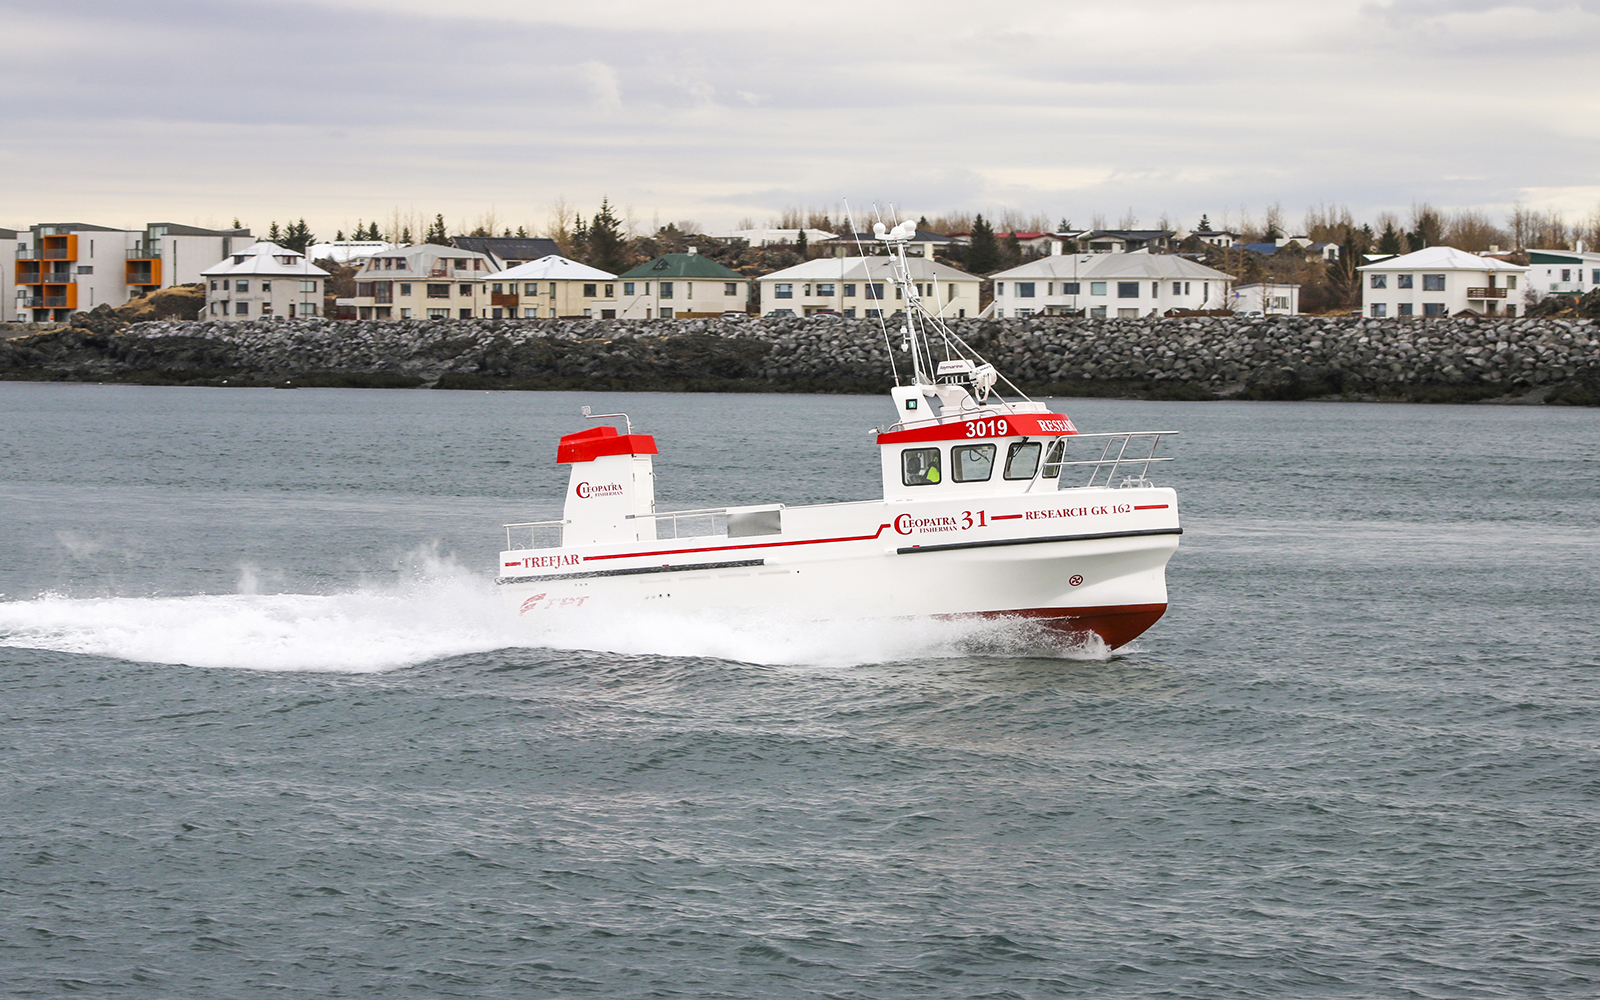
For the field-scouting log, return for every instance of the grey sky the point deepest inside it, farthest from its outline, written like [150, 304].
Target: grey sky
[188, 111]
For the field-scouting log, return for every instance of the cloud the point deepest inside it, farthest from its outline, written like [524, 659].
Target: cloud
[334, 109]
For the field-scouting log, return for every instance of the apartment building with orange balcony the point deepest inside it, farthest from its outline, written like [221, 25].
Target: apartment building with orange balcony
[66, 267]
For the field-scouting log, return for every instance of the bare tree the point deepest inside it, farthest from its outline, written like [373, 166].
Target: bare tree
[1129, 220]
[559, 226]
[1471, 230]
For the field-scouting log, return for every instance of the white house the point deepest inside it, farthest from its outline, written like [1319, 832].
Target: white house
[553, 287]
[1442, 281]
[1119, 285]
[427, 281]
[864, 287]
[263, 281]
[349, 251]
[1266, 298]
[773, 237]
[1569, 272]
[682, 285]
[67, 267]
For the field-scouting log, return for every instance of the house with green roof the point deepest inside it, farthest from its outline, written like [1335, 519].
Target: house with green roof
[681, 285]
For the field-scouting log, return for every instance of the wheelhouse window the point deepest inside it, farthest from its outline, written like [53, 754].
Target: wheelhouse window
[972, 463]
[1052, 459]
[920, 466]
[1022, 460]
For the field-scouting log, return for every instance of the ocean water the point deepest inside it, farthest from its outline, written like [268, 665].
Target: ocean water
[264, 733]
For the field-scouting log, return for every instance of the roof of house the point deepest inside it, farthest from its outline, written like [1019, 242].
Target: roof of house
[8, 234]
[179, 229]
[82, 227]
[866, 269]
[420, 259]
[266, 259]
[509, 247]
[555, 268]
[1145, 235]
[1109, 266]
[1562, 256]
[1446, 258]
[682, 265]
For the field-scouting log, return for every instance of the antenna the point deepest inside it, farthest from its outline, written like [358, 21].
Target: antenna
[587, 415]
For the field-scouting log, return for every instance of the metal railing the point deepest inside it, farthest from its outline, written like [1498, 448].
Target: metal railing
[139, 253]
[54, 278]
[56, 253]
[1114, 457]
[539, 534]
[1486, 293]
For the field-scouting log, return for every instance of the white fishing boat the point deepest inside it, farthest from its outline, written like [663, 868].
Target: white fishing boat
[992, 506]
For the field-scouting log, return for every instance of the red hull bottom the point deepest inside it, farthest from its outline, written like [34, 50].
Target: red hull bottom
[1117, 625]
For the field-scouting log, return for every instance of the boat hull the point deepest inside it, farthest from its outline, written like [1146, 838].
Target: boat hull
[1076, 561]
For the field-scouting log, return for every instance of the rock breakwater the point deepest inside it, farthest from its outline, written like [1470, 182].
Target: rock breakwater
[1192, 358]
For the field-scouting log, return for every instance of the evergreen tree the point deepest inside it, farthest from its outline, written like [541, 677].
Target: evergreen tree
[603, 241]
[273, 235]
[1205, 223]
[1389, 242]
[522, 233]
[338, 235]
[297, 236]
[580, 239]
[1272, 234]
[1066, 225]
[1013, 249]
[800, 245]
[374, 233]
[437, 234]
[507, 233]
[983, 253]
[236, 223]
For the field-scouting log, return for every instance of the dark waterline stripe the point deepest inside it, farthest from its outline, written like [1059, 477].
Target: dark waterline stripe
[632, 572]
[913, 549]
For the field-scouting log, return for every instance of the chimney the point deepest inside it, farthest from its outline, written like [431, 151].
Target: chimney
[693, 251]
[1055, 248]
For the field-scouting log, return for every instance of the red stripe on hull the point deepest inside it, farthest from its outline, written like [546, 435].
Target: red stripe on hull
[1117, 624]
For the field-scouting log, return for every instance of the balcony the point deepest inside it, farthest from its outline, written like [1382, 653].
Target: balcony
[503, 299]
[1486, 293]
[33, 303]
[23, 253]
[139, 253]
[54, 278]
[58, 253]
[54, 301]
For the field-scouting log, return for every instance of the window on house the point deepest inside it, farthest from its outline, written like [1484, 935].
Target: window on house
[1596, 279]
[1433, 282]
[495, 288]
[311, 286]
[400, 264]
[1097, 288]
[999, 289]
[873, 313]
[1377, 281]
[553, 290]
[850, 290]
[241, 286]
[405, 287]
[1511, 280]
[465, 313]
[1403, 281]
[850, 314]
[241, 308]
[825, 288]
[1566, 273]
[875, 290]
[1098, 312]
[89, 269]
[1280, 302]
[1511, 310]
[611, 291]
[588, 290]
[688, 289]
[782, 290]
[266, 308]
[466, 293]
[666, 313]
[732, 288]
[438, 292]
[666, 289]
[1186, 288]
[1379, 310]
[266, 286]
[1403, 309]
[588, 314]
[805, 290]
[438, 314]
[1069, 288]
[1025, 289]
[627, 288]
[404, 313]
[213, 284]
[1127, 289]
[1433, 309]
[1177, 288]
